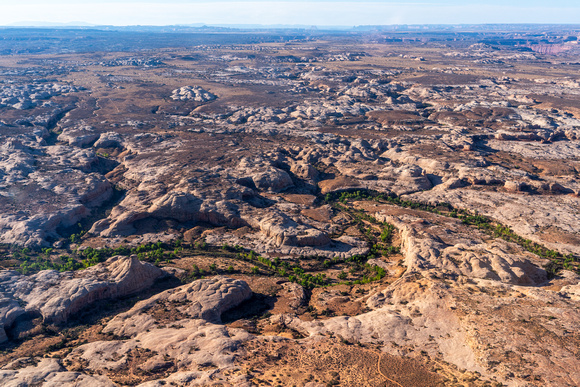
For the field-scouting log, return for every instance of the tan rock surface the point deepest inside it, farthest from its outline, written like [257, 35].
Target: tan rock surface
[56, 296]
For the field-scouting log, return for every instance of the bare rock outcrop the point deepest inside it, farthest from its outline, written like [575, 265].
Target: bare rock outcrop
[431, 247]
[109, 140]
[187, 341]
[296, 294]
[260, 174]
[395, 324]
[27, 96]
[47, 372]
[78, 136]
[202, 299]
[193, 340]
[279, 229]
[46, 188]
[192, 93]
[532, 216]
[56, 296]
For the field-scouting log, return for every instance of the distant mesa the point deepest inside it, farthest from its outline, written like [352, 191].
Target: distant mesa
[550, 49]
[50, 24]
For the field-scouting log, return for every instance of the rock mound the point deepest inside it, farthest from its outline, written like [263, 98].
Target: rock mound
[204, 299]
[48, 372]
[429, 246]
[56, 296]
[192, 93]
[173, 331]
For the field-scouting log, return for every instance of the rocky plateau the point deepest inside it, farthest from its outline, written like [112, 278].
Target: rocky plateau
[302, 211]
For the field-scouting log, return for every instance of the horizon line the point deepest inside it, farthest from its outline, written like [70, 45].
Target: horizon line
[43, 24]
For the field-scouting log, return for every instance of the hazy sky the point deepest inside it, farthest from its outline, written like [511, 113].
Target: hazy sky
[320, 12]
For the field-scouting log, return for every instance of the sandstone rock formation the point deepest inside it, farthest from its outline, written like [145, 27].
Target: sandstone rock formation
[27, 96]
[202, 299]
[48, 372]
[56, 296]
[192, 93]
[193, 341]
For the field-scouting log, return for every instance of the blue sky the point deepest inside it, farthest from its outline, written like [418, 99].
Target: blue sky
[319, 12]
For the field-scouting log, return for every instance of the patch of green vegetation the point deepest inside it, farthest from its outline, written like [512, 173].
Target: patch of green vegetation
[196, 272]
[307, 280]
[378, 234]
[35, 264]
[277, 267]
[372, 273]
[76, 238]
[32, 261]
[295, 272]
[558, 261]
[364, 194]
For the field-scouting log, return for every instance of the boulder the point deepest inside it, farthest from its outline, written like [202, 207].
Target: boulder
[109, 140]
[272, 179]
[304, 171]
